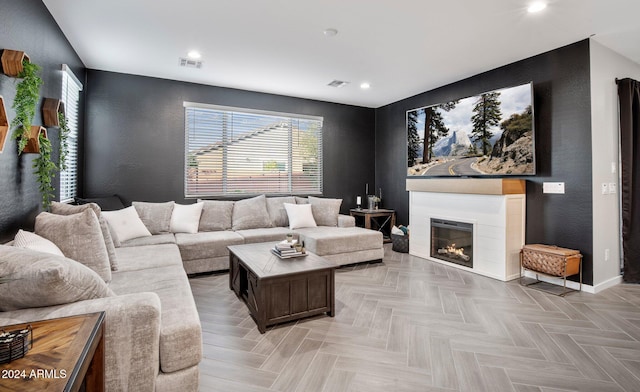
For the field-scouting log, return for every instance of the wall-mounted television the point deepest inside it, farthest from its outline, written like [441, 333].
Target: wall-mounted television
[490, 134]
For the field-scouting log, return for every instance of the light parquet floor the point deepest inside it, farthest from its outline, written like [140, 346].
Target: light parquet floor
[409, 324]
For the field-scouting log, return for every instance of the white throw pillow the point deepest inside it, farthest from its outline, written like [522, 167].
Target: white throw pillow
[186, 218]
[126, 224]
[299, 215]
[29, 240]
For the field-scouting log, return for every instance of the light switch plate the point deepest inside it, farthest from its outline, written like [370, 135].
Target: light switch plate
[553, 187]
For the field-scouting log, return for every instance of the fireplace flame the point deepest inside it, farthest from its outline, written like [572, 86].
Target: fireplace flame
[451, 250]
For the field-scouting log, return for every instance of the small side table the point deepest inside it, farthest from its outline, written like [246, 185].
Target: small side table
[67, 354]
[381, 220]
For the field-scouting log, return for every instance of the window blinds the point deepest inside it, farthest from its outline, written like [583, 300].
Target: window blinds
[71, 88]
[232, 151]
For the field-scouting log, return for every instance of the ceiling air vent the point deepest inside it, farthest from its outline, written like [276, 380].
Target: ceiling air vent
[338, 83]
[184, 62]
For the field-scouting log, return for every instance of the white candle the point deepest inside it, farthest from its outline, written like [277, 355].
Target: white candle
[358, 200]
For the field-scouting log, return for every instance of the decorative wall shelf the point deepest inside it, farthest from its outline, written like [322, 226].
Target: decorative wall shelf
[12, 62]
[4, 124]
[50, 110]
[33, 146]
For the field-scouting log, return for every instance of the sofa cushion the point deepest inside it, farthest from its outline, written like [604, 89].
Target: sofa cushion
[155, 216]
[185, 218]
[277, 213]
[29, 240]
[206, 244]
[216, 215]
[324, 240]
[68, 209]
[125, 224]
[325, 211]
[299, 215]
[251, 213]
[167, 238]
[42, 279]
[275, 234]
[79, 237]
[135, 258]
[180, 331]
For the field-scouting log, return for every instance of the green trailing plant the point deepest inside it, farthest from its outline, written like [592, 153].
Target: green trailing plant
[64, 141]
[27, 95]
[45, 171]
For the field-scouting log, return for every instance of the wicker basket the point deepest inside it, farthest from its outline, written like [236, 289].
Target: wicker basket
[551, 260]
[400, 243]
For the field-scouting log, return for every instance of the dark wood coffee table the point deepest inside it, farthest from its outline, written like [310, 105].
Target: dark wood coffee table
[277, 290]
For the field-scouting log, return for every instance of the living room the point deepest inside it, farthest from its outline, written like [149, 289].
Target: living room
[132, 145]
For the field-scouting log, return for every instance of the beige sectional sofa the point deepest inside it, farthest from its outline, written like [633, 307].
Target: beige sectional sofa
[206, 250]
[152, 329]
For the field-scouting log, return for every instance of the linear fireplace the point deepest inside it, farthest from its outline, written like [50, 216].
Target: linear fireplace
[452, 241]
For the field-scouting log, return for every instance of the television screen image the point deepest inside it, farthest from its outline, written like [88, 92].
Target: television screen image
[490, 134]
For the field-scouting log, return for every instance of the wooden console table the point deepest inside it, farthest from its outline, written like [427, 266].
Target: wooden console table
[380, 220]
[67, 354]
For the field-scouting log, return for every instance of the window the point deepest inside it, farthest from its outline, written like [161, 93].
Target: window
[71, 88]
[231, 151]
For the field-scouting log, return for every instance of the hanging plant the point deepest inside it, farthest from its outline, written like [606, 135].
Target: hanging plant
[64, 141]
[27, 95]
[45, 171]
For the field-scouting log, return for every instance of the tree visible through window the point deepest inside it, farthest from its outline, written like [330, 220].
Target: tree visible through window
[231, 151]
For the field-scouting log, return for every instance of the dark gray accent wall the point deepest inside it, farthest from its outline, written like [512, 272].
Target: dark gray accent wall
[135, 136]
[562, 106]
[27, 25]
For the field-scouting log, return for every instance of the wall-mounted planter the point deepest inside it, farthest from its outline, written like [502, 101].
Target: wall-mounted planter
[33, 146]
[4, 124]
[50, 110]
[12, 62]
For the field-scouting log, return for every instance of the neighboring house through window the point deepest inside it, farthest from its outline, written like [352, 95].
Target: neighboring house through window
[235, 152]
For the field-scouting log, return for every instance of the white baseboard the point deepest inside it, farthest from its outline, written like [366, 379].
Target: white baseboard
[576, 285]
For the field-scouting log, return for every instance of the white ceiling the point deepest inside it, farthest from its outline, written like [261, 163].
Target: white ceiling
[401, 47]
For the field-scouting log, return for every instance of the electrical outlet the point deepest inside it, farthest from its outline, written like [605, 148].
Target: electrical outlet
[612, 188]
[605, 188]
[614, 167]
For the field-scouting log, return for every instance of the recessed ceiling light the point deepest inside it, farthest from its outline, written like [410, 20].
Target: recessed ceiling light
[330, 32]
[536, 7]
[365, 85]
[194, 55]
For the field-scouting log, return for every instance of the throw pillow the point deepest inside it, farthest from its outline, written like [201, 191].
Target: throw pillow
[40, 279]
[277, 213]
[325, 211]
[299, 215]
[126, 224]
[29, 240]
[251, 214]
[79, 238]
[216, 215]
[156, 216]
[68, 209]
[302, 200]
[186, 218]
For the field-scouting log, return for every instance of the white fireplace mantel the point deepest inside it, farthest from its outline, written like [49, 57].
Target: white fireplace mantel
[495, 207]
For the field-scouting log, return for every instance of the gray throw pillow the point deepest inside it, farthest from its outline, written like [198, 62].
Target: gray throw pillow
[277, 213]
[68, 209]
[302, 200]
[251, 214]
[40, 279]
[156, 216]
[79, 238]
[325, 211]
[216, 215]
